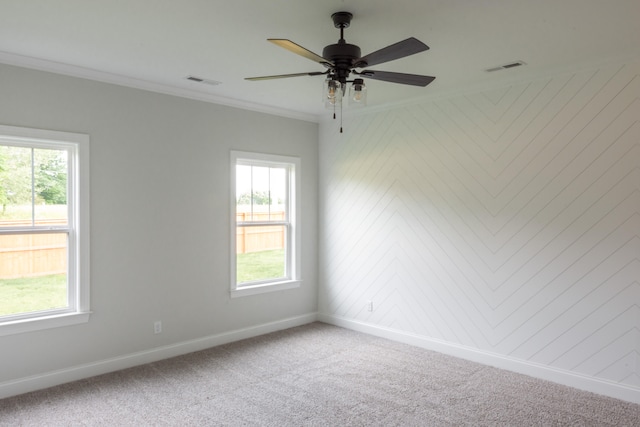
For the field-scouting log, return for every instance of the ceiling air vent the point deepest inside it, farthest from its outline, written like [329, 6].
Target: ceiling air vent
[202, 80]
[506, 66]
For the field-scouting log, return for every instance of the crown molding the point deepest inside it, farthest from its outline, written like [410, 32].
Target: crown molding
[116, 79]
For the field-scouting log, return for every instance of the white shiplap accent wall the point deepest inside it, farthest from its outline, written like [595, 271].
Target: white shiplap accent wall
[506, 221]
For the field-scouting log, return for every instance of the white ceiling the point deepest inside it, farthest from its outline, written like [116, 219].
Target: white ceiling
[155, 44]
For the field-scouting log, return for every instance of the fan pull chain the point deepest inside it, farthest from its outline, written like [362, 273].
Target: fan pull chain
[341, 117]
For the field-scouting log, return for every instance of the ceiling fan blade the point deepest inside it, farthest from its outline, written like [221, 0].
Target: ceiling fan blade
[398, 50]
[284, 76]
[402, 78]
[299, 50]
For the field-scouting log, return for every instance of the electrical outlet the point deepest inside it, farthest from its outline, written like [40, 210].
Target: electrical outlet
[157, 327]
[369, 305]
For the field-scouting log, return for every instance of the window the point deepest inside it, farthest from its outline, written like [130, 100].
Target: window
[265, 253]
[44, 240]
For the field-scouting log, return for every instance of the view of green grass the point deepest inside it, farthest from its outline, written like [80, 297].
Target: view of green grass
[32, 294]
[13, 212]
[260, 265]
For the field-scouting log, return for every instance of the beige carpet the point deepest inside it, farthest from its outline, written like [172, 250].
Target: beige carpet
[314, 375]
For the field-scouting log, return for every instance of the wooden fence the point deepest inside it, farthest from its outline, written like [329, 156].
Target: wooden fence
[30, 255]
[259, 238]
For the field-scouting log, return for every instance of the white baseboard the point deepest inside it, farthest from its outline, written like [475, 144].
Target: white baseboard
[50, 379]
[583, 382]
[571, 379]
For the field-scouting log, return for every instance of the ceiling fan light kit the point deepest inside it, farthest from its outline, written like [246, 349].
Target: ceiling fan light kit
[358, 93]
[332, 92]
[341, 59]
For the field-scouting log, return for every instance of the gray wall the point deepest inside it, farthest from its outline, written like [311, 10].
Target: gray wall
[159, 217]
[504, 222]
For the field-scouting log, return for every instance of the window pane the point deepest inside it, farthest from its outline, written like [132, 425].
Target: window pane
[260, 253]
[260, 196]
[15, 186]
[32, 272]
[261, 193]
[50, 186]
[243, 193]
[278, 191]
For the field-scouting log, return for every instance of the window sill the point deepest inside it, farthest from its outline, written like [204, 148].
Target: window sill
[264, 288]
[44, 322]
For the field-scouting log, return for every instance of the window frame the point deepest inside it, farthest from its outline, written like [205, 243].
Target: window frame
[292, 226]
[77, 229]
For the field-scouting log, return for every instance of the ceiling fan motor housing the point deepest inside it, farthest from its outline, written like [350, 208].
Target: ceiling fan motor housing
[342, 55]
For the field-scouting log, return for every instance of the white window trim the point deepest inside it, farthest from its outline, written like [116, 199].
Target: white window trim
[294, 218]
[78, 260]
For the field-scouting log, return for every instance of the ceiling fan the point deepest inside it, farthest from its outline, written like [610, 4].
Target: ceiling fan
[342, 59]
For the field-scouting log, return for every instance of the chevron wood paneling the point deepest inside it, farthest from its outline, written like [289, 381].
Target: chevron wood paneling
[506, 220]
